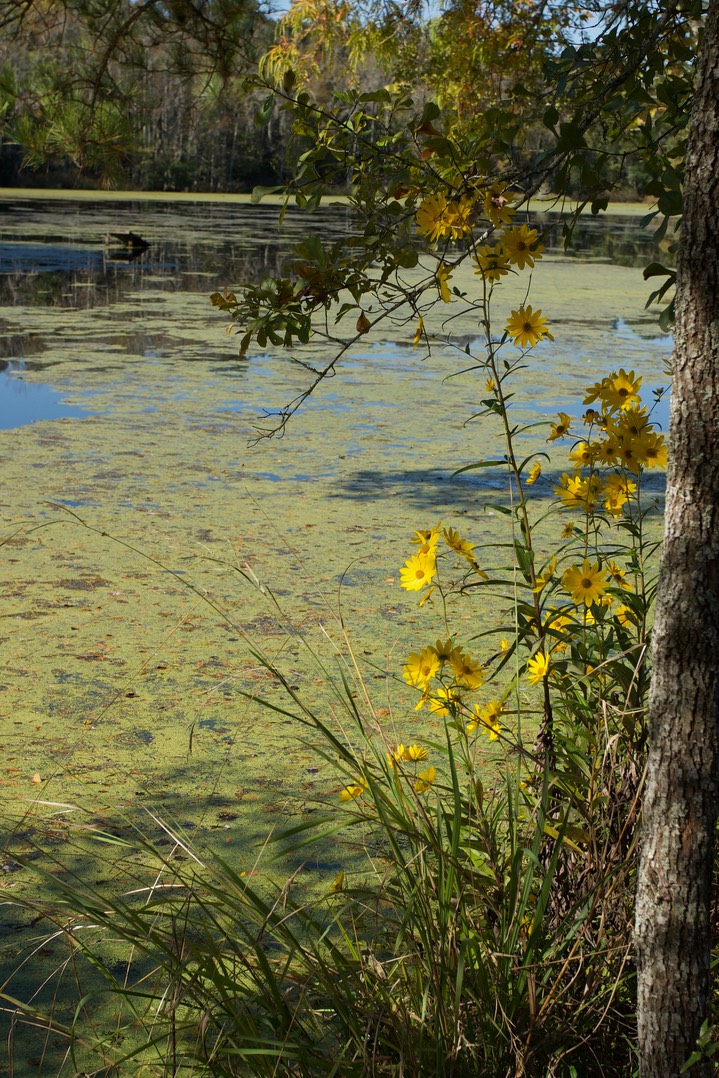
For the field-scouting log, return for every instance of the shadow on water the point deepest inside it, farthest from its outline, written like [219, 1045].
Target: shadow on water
[38, 963]
[433, 490]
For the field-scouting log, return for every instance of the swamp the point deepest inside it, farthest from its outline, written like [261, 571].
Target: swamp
[154, 545]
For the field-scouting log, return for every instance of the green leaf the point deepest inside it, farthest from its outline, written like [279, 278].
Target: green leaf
[550, 117]
[258, 193]
[480, 464]
[671, 203]
[656, 269]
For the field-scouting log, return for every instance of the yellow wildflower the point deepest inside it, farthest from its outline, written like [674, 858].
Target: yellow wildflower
[461, 546]
[586, 584]
[443, 274]
[538, 668]
[583, 455]
[418, 571]
[527, 327]
[467, 671]
[427, 539]
[414, 754]
[487, 719]
[434, 217]
[425, 779]
[655, 451]
[491, 263]
[625, 616]
[522, 246]
[395, 755]
[353, 791]
[534, 473]
[623, 390]
[421, 667]
[497, 206]
[443, 650]
[618, 576]
[442, 700]
[544, 577]
[561, 428]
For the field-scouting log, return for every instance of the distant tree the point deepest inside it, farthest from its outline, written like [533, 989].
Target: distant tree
[107, 85]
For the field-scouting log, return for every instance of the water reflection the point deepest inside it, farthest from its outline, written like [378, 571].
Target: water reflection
[24, 402]
[55, 254]
[100, 308]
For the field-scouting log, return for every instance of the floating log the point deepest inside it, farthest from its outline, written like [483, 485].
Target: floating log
[127, 239]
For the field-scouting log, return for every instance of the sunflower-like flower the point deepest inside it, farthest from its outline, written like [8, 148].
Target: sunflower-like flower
[623, 390]
[618, 576]
[625, 616]
[487, 719]
[418, 571]
[461, 214]
[460, 546]
[443, 650]
[583, 455]
[527, 327]
[538, 668]
[555, 625]
[544, 577]
[561, 428]
[521, 246]
[441, 218]
[634, 422]
[497, 206]
[630, 453]
[353, 791]
[421, 667]
[655, 451]
[442, 700]
[467, 671]
[618, 490]
[443, 274]
[491, 263]
[434, 217]
[587, 584]
[606, 451]
[414, 754]
[425, 779]
[534, 473]
[395, 755]
[579, 492]
[426, 539]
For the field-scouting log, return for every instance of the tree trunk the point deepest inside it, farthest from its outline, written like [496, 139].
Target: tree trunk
[673, 937]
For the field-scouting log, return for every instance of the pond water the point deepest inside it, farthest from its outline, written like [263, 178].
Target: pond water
[131, 496]
[149, 550]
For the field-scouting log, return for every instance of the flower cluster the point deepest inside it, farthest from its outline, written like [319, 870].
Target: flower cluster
[516, 247]
[441, 218]
[420, 570]
[622, 442]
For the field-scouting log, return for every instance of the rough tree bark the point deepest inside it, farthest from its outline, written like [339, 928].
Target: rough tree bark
[681, 802]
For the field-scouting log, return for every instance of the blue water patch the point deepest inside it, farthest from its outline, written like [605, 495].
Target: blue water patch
[22, 403]
[47, 257]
